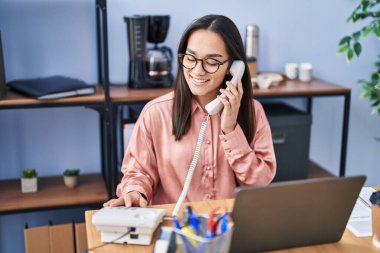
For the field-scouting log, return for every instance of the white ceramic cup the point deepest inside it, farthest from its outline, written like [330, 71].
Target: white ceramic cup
[291, 70]
[305, 72]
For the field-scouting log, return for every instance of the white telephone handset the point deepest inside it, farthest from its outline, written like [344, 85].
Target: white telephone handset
[237, 71]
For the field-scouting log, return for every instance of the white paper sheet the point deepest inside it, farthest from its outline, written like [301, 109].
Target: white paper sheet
[360, 220]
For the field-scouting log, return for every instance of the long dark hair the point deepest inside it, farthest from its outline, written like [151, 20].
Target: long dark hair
[228, 31]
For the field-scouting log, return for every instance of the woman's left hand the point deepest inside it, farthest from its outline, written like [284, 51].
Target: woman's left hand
[231, 101]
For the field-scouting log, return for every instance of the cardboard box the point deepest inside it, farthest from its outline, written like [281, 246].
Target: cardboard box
[65, 238]
[80, 237]
[61, 238]
[37, 240]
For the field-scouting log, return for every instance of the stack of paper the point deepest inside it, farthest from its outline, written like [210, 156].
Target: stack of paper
[360, 222]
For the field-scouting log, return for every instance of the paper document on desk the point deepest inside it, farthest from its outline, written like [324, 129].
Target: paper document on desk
[360, 220]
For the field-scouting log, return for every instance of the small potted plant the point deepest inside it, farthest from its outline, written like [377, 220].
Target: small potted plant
[70, 177]
[29, 180]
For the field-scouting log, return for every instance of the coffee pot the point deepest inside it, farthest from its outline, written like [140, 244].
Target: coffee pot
[149, 67]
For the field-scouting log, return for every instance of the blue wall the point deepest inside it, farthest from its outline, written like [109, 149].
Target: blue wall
[58, 37]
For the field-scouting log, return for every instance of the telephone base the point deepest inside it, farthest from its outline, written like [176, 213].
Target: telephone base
[137, 224]
[131, 238]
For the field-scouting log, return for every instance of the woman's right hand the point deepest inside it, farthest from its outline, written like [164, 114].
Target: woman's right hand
[133, 198]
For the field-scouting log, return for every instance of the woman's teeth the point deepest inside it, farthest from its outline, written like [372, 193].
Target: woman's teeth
[199, 80]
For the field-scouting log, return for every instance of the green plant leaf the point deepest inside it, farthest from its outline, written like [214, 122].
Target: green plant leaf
[365, 5]
[29, 173]
[377, 86]
[349, 55]
[377, 32]
[375, 77]
[356, 35]
[345, 40]
[366, 30]
[71, 172]
[357, 48]
[365, 94]
[362, 15]
[355, 17]
[343, 49]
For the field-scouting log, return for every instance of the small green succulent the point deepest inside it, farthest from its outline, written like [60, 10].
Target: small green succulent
[29, 173]
[71, 172]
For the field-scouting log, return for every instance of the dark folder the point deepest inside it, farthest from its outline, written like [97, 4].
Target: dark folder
[52, 87]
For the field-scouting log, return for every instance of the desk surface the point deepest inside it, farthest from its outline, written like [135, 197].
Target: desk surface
[348, 243]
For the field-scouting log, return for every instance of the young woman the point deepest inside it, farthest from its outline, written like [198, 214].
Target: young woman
[237, 146]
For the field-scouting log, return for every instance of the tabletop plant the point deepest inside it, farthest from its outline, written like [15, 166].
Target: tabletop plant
[367, 11]
[29, 173]
[71, 172]
[29, 180]
[70, 177]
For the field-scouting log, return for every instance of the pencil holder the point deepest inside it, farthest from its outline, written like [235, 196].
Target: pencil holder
[375, 208]
[187, 243]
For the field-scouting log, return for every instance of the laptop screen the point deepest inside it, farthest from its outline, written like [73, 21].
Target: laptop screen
[294, 213]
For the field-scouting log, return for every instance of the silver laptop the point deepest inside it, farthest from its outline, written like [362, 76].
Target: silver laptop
[293, 214]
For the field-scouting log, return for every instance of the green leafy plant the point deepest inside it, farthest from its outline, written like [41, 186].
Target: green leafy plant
[71, 172]
[29, 173]
[367, 10]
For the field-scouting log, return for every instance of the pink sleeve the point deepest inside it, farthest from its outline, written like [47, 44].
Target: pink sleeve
[139, 166]
[253, 163]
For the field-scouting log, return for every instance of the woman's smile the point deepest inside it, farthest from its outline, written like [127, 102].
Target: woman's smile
[198, 81]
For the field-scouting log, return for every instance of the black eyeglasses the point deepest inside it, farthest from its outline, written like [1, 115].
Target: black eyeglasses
[210, 65]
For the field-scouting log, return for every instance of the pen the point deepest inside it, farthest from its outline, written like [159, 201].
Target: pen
[194, 223]
[223, 224]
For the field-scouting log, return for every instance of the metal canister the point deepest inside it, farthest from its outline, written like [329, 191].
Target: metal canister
[252, 48]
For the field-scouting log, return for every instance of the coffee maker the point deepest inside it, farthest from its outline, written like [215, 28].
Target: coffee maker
[148, 67]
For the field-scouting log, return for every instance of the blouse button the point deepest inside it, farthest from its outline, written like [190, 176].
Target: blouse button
[208, 141]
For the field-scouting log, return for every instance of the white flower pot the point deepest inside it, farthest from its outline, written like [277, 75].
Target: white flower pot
[28, 185]
[70, 181]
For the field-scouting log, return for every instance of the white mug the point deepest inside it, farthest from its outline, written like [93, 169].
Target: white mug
[291, 70]
[305, 72]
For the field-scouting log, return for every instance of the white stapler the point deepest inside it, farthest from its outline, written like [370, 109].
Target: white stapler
[113, 222]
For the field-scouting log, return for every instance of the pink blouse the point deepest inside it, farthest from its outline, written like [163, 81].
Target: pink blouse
[156, 165]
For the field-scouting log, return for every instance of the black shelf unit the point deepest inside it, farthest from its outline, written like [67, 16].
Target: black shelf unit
[103, 107]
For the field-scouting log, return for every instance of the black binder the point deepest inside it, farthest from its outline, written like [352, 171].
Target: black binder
[53, 87]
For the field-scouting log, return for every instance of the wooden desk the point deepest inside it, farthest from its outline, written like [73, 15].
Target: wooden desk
[349, 243]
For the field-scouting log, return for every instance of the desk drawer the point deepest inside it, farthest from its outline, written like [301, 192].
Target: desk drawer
[291, 139]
